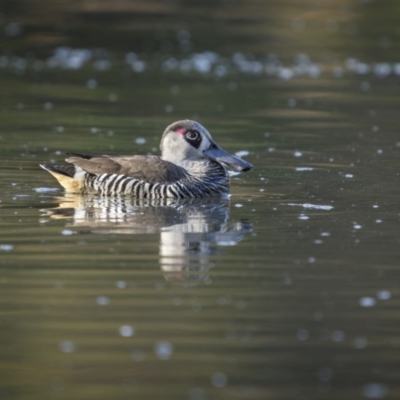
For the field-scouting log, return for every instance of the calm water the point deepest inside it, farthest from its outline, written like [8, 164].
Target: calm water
[289, 290]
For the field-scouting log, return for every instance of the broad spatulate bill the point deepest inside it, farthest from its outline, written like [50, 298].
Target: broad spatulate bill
[191, 165]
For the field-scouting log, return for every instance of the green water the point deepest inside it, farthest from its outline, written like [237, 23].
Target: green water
[289, 290]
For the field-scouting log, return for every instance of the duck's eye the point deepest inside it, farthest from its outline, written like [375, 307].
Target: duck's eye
[192, 135]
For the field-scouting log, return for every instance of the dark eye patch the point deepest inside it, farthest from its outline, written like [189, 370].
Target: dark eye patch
[194, 138]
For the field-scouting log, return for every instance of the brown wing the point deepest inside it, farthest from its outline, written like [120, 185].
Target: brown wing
[151, 169]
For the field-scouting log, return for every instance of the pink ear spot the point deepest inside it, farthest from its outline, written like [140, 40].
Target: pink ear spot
[181, 131]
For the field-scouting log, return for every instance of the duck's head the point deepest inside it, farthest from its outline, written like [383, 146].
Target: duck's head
[188, 141]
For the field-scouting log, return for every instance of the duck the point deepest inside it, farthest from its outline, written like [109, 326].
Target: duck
[191, 165]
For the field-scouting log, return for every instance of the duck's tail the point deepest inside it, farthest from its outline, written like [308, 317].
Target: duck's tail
[69, 176]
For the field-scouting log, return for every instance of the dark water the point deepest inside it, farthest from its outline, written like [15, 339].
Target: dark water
[288, 290]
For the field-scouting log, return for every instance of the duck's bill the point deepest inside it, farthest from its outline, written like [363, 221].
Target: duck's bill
[229, 160]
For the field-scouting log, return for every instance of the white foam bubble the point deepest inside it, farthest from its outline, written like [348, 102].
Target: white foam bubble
[325, 374]
[384, 295]
[6, 247]
[163, 350]
[382, 70]
[360, 343]
[367, 301]
[138, 66]
[338, 336]
[67, 346]
[121, 284]
[102, 300]
[91, 84]
[219, 379]
[375, 390]
[126, 331]
[302, 334]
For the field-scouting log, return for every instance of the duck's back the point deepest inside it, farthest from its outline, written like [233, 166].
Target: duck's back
[151, 169]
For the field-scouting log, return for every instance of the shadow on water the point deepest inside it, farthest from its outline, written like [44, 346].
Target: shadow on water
[191, 231]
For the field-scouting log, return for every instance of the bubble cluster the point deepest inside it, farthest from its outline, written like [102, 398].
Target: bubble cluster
[204, 63]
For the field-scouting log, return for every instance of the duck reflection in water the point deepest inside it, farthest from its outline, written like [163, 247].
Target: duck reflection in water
[190, 230]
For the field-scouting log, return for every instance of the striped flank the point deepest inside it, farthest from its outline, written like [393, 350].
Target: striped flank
[216, 182]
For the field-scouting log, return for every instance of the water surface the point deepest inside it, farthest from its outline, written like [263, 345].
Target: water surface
[288, 290]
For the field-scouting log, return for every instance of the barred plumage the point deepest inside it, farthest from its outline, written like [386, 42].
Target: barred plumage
[216, 181]
[192, 165]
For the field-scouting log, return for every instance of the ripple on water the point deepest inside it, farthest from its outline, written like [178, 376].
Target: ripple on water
[301, 169]
[310, 206]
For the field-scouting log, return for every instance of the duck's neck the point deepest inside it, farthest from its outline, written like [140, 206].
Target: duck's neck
[202, 168]
[208, 176]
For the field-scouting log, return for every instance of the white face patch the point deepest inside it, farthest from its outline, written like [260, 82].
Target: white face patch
[176, 147]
